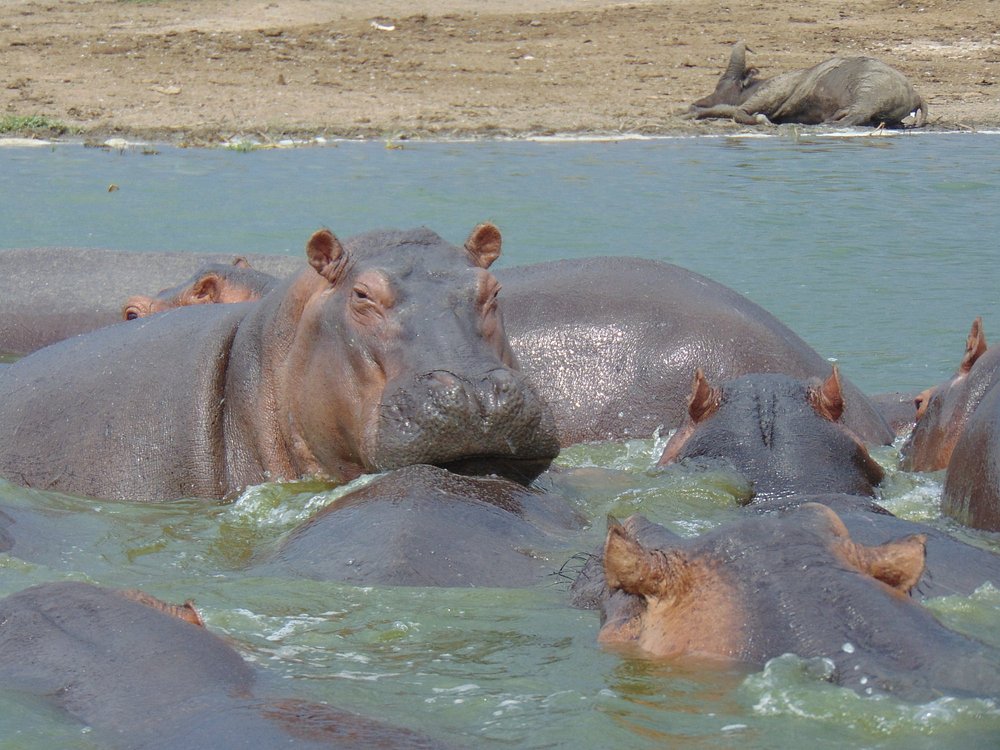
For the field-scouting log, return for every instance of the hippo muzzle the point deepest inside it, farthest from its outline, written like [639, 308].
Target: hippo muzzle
[491, 423]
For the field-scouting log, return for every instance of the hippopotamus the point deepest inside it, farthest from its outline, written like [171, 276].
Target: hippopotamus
[781, 433]
[795, 583]
[141, 673]
[839, 91]
[608, 370]
[384, 352]
[783, 437]
[424, 526]
[972, 482]
[212, 283]
[942, 411]
[48, 294]
[610, 342]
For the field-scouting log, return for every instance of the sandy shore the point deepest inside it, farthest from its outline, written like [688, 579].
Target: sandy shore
[200, 72]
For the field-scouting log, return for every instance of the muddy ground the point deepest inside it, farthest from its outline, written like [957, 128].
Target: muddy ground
[198, 72]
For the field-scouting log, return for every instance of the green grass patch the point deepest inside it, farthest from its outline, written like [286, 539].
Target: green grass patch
[31, 125]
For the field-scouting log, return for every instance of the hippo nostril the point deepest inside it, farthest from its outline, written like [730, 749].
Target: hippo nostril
[503, 380]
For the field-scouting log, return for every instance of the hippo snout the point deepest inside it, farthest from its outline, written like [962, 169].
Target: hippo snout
[443, 417]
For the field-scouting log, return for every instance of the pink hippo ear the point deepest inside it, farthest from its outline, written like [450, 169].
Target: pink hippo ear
[185, 611]
[206, 289]
[326, 255]
[975, 345]
[898, 563]
[483, 245]
[704, 399]
[828, 399]
[635, 570]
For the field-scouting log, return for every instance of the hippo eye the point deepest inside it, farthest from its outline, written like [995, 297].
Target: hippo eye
[131, 314]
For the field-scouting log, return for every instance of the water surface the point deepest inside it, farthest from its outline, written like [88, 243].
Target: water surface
[878, 251]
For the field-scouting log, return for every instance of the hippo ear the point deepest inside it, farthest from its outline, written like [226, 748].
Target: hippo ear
[483, 245]
[635, 570]
[240, 262]
[207, 288]
[704, 399]
[975, 345]
[185, 611]
[828, 399]
[326, 255]
[899, 563]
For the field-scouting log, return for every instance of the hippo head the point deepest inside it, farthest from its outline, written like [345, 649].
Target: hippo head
[735, 85]
[213, 283]
[753, 589]
[942, 411]
[400, 357]
[782, 434]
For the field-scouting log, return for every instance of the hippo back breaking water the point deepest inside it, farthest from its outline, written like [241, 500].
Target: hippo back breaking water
[388, 352]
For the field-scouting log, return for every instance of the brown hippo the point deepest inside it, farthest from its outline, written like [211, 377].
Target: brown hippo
[609, 342]
[144, 674]
[385, 352]
[48, 294]
[424, 526]
[782, 434]
[606, 361]
[972, 483]
[791, 583]
[212, 283]
[942, 411]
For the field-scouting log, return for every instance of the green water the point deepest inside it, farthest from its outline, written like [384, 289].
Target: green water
[879, 252]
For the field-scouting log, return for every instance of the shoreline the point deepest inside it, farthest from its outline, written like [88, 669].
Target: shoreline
[196, 74]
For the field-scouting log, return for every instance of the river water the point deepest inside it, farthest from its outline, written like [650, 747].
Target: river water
[879, 251]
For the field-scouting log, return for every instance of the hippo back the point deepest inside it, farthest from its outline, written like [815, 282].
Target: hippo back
[130, 411]
[612, 344]
[972, 484]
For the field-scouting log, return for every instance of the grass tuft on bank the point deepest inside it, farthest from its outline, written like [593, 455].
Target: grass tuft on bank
[32, 125]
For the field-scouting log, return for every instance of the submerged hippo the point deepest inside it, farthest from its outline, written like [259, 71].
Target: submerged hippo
[48, 294]
[783, 437]
[213, 283]
[385, 352]
[972, 484]
[942, 411]
[144, 674]
[792, 583]
[423, 526]
[781, 433]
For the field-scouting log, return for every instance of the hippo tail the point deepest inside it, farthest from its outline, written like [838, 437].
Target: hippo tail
[921, 118]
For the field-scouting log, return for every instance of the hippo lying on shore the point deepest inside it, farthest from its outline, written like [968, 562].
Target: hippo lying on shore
[143, 674]
[423, 526]
[796, 583]
[387, 352]
[782, 435]
[944, 410]
[839, 91]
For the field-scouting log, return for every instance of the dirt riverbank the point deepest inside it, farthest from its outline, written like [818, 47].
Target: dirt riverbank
[200, 72]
